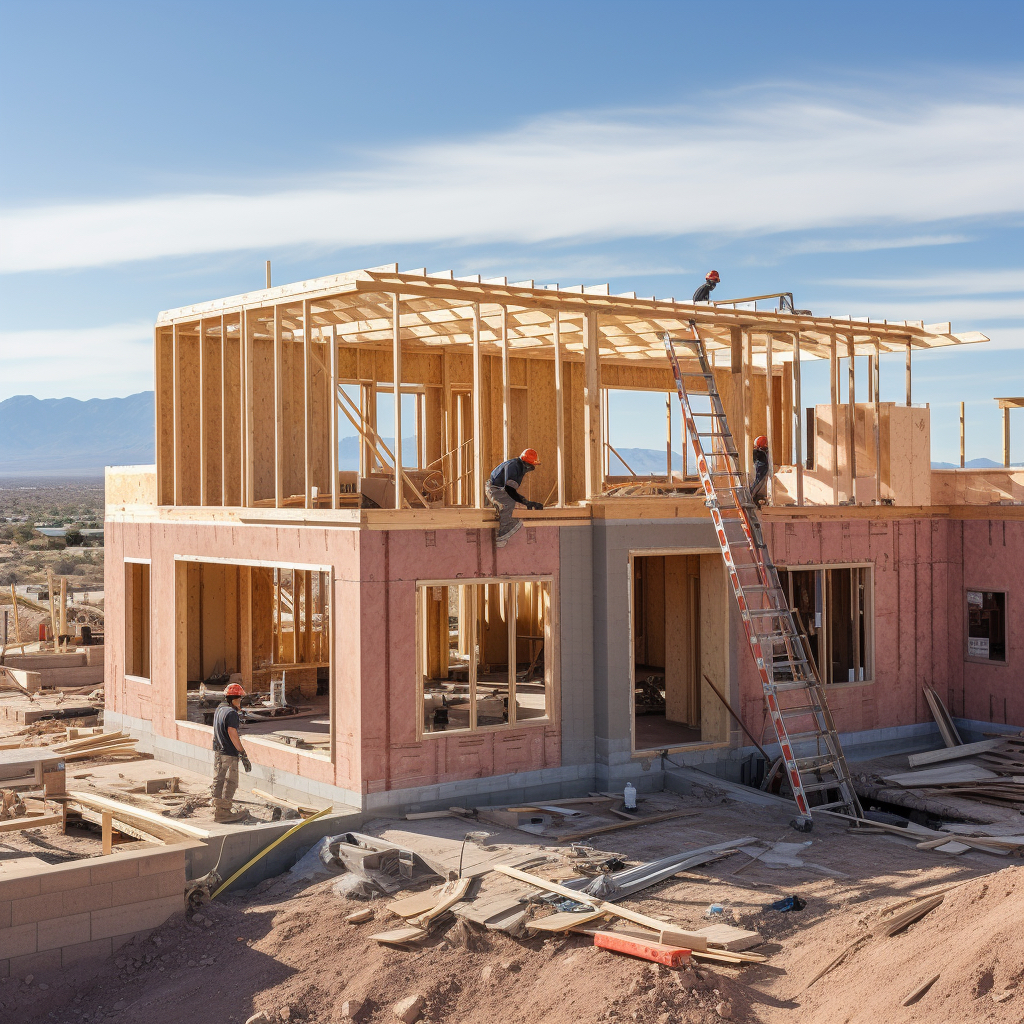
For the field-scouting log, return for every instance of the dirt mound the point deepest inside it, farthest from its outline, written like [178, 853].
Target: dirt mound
[974, 942]
[295, 958]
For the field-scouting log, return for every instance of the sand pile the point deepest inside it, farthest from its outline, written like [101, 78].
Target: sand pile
[974, 942]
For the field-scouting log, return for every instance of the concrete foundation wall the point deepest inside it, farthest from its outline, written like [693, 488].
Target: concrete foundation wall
[52, 917]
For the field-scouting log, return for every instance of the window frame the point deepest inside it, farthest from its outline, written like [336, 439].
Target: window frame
[973, 659]
[551, 655]
[132, 677]
[869, 621]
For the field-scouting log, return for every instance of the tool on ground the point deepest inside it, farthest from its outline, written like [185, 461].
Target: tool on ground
[783, 660]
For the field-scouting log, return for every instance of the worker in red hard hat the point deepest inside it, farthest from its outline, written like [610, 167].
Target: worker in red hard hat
[502, 490]
[703, 293]
[227, 752]
[762, 467]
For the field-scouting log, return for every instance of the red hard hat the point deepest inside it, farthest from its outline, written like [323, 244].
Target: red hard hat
[761, 441]
[712, 275]
[234, 690]
[530, 457]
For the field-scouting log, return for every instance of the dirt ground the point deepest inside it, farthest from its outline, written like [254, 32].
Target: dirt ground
[284, 947]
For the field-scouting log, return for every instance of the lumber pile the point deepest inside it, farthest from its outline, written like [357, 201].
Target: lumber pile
[99, 745]
[990, 771]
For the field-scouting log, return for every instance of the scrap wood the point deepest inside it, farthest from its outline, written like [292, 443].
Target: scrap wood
[947, 728]
[650, 820]
[126, 812]
[953, 753]
[920, 990]
[30, 821]
[836, 960]
[613, 909]
[400, 936]
[564, 921]
[303, 809]
[950, 774]
[451, 893]
[914, 913]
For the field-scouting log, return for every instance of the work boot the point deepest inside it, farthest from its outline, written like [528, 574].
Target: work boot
[502, 538]
[226, 816]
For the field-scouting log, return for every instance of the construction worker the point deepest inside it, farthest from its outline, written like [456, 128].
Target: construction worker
[227, 752]
[762, 467]
[703, 293]
[502, 492]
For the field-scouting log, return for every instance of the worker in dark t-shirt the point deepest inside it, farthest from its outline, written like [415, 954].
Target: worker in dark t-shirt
[762, 467]
[703, 293]
[502, 491]
[227, 752]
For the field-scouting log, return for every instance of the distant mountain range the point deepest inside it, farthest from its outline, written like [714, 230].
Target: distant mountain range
[68, 437]
[973, 464]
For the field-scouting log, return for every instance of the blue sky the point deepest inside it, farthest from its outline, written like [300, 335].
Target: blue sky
[867, 156]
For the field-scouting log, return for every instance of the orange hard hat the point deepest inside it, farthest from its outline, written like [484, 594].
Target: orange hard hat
[712, 275]
[530, 457]
[761, 441]
[234, 690]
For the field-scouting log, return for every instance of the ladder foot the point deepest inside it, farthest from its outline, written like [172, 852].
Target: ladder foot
[802, 824]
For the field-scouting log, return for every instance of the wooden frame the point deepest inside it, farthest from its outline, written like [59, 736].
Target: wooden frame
[576, 336]
[137, 618]
[551, 647]
[824, 653]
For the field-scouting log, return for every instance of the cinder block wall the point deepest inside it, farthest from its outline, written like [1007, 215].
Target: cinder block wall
[51, 917]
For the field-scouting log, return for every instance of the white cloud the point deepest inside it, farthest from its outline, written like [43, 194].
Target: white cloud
[949, 282]
[813, 245]
[93, 362]
[839, 163]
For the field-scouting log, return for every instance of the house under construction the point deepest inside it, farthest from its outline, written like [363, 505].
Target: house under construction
[410, 661]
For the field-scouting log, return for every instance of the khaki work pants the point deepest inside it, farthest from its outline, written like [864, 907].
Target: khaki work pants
[225, 780]
[505, 504]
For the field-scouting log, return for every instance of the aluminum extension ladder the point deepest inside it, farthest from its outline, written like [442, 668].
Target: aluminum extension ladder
[783, 661]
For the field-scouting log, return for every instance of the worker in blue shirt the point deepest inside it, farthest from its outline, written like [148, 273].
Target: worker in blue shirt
[703, 293]
[502, 490]
[762, 469]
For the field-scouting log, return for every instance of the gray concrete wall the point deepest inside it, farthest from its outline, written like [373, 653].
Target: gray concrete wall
[613, 700]
[576, 627]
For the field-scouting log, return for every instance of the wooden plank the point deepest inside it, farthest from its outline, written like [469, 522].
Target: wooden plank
[396, 377]
[951, 773]
[851, 457]
[770, 431]
[613, 909]
[128, 811]
[563, 921]
[947, 729]
[920, 990]
[333, 413]
[952, 753]
[729, 937]
[307, 402]
[592, 440]
[506, 385]
[650, 820]
[833, 374]
[30, 821]
[451, 893]
[400, 936]
[279, 425]
[107, 827]
[176, 459]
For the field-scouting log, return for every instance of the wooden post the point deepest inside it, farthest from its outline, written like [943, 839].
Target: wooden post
[908, 370]
[396, 365]
[963, 452]
[203, 371]
[63, 619]
[668, 440]
[1006, 435]
[559, 413]
[17, 624]
[307, 402]
[770, 392]
[877, 422]
[223, 411]
[506, 395]
[332, 404]
[268, 273]
[799, 433]
[107, 832]
[53, 613]
[176, 390]
[478, 414]
[735, 350]
[833, 374]
[592, 452]
[278, 408]
[852, 426]
[748, 401]
[245, 355]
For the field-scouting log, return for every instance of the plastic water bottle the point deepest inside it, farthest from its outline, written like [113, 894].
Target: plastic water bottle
[629, 796]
